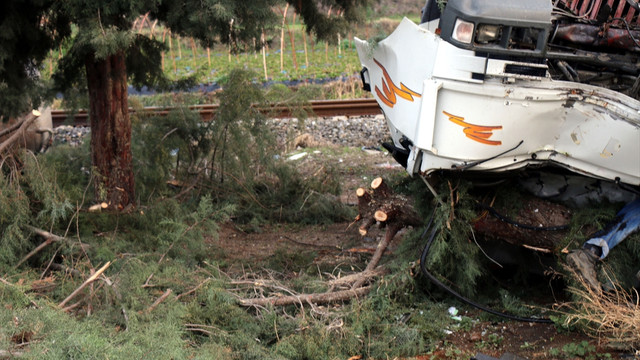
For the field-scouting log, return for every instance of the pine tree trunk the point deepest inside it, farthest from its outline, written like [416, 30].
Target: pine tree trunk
[110, 130]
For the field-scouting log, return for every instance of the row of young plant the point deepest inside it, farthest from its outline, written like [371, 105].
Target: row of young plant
[284, 54]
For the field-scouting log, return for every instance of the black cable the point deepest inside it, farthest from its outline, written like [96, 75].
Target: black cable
[425, 272]
[626, 25]
[495, 213]
[626, 187]
[478, 162]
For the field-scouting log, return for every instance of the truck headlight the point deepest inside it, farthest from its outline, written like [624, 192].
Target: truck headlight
[463, 31]
[488, 33]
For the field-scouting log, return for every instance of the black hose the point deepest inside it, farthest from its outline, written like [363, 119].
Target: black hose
[626, 187]
[467, 166]
[425, 272]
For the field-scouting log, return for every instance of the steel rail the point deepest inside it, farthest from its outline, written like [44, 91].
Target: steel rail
[352, 107]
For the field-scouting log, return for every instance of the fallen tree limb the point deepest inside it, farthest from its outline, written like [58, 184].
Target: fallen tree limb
[377, 205]
[319, 298]
[24, 124]
[12, 127]
[205, 329]
[35, 251]
[392, 230]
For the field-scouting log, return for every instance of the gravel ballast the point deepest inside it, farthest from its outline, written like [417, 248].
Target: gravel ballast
[356, 131]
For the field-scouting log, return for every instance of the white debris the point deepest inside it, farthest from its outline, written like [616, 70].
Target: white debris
[297, 156]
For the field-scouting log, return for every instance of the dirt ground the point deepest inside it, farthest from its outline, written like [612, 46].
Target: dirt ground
[341, 243]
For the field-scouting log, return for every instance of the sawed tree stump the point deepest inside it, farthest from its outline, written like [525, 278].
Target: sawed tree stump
[381, 205]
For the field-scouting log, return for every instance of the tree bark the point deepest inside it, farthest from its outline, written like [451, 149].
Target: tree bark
[110, 130]
[533, 212]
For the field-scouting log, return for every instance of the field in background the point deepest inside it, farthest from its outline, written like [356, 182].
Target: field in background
[289, 55]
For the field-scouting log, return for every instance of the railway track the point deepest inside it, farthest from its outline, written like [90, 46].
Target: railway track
[352, 107]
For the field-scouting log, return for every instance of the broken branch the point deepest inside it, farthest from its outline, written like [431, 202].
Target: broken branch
[159, 300]
[380, 188]
[91, 279]
[49, 238]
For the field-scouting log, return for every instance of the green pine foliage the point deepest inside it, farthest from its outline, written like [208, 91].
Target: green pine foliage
[453, 255]
[234, 158]
[46, 198]
[14, 212]
[30, 196]
[23, 22]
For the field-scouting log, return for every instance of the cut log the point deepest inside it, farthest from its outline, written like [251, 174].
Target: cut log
[381, 216]
[534, 213]
[364, 228]
[377, 204]
[98, 207]
[364, 198]
[380, 188]
[383, 206]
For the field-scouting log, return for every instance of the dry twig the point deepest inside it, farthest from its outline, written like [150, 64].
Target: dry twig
[612, 315]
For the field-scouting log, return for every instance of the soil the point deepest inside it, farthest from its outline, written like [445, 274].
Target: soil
[341, 243]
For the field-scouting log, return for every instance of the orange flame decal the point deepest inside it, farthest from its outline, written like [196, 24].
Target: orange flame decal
[479, 133]
[389, 90]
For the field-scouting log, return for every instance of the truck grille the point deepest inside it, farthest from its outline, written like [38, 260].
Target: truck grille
[602, 10]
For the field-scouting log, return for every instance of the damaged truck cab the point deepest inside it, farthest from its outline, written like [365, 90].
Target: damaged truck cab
[499, 85]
